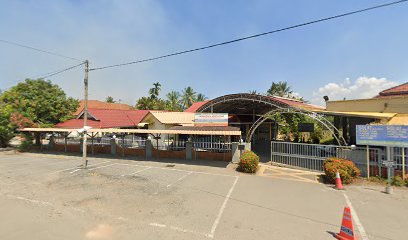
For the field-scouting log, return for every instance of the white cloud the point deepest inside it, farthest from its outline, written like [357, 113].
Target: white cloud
[363, 87]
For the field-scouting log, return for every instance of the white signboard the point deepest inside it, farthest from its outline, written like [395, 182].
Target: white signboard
[211, 119]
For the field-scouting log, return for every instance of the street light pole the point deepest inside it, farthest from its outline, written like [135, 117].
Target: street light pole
[84, 150]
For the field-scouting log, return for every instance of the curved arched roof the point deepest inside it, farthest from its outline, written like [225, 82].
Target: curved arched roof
[246, 103]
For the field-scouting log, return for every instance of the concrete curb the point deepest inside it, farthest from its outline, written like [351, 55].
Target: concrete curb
[7, 149]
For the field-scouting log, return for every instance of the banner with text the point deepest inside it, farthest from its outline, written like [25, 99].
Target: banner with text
[211, 119]
[382, 135]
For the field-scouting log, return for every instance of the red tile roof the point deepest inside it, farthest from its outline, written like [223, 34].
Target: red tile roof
[78, 123]
[96, 104]
[107, 118]
[400, 90]
[193, 108]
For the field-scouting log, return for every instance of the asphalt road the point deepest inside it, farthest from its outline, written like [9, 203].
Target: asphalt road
[45, 196]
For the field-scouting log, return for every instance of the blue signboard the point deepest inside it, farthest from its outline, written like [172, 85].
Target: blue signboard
[382, 135]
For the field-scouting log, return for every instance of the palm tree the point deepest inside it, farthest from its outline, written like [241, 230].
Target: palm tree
[173, 101]
[280, 89]
[159, 104]
[201, 97]
[188, 97]
[144, 103]
[155, 90]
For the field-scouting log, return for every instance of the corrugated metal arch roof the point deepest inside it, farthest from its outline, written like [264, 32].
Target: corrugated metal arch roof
[246, 103]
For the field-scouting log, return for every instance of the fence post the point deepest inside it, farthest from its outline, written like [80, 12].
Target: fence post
[403, 163]
[81, 145]
[189, 150]
[235, 152]
[65, 142]
[123, 145]
[113, 146]
[92, 143]
[51, 143]
[149, 148]
[368, 162]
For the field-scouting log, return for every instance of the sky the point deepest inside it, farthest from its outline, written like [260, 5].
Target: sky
[351, 57]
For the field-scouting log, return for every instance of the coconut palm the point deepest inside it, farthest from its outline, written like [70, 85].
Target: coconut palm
[144, 103]
[155, 90]
[280, 89]
[201, 97]
[173, 101]
[159, 104]
[188, 97]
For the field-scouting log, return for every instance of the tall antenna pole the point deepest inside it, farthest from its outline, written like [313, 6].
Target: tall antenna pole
[84, 150]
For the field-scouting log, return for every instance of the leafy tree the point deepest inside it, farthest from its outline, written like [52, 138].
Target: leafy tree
[6, 128]
[42, 102]
[280, 89]
[253, 92]
[159, 104]
[173, 101]
[110, 99]
[155, 90]
[188, 97]
[201, 97]
[144, 103]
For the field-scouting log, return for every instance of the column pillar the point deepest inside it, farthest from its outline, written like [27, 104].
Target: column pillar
[113, 146]
[189, 150]
[149, 149]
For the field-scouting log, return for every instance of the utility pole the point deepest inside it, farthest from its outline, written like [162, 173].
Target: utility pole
[84, 151]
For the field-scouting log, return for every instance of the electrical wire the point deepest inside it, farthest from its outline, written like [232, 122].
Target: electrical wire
[251, 36]
[50, 74]
[39, 50]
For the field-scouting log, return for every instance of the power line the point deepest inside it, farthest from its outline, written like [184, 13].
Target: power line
[39, 50]
[252, 36]
[50, 74]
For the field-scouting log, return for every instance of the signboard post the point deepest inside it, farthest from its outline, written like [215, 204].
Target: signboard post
[389, 163]
[384, 135]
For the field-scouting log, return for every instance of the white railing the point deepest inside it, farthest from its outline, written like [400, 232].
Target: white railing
[212, 146]
[312, 156]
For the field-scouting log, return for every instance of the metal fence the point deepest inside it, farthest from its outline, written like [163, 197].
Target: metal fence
[212, 146]
[312, 156]
[169, 145]
[173, 145]
[131, 143]
[127, 142]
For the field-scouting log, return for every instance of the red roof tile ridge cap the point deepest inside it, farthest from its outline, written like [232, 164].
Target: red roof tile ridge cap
[385, 90]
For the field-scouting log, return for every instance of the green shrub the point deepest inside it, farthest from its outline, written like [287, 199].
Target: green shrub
[348, 171]
[26, 144]
[398, 181]
[248, 162]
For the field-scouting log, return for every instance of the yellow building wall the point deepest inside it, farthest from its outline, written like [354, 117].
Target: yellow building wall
[382, 105]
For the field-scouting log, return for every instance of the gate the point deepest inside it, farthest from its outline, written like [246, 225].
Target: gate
[307, 156]
[312, 156]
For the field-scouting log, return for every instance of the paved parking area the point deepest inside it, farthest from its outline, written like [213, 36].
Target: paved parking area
[49, 197]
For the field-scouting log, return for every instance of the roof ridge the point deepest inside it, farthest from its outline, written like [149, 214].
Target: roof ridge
[388, 89]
